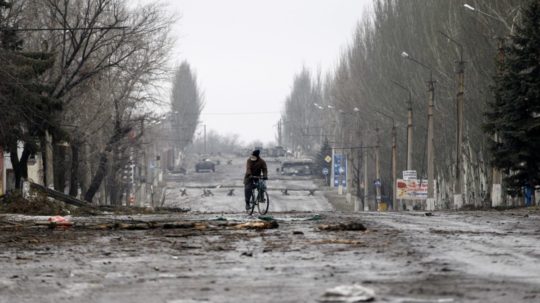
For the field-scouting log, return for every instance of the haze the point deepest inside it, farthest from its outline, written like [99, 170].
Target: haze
[246, 53]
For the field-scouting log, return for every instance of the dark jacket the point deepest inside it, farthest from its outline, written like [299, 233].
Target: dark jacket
[255, 168]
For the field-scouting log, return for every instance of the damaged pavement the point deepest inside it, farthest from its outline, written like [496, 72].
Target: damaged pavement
[303, 250]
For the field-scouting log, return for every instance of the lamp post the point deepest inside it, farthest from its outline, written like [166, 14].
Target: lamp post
[458, 197]
[430, 160]
[496, 186]
[409, 125]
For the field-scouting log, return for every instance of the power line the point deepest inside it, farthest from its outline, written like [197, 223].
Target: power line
[61, 28]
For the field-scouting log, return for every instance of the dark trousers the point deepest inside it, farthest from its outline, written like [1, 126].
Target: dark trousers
[248, 189]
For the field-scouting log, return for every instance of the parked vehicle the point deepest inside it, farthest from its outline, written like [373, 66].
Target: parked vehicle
[205, 165]
[299, 167]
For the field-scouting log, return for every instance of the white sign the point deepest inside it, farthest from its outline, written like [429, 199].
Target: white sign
[409, 174]
[412, 189]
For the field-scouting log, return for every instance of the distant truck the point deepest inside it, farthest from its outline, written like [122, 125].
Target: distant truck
[205, 165]
[298, 167]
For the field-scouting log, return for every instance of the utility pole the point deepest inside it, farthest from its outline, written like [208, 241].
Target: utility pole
[430, 158]
[496, 187]
[409, 133]
[377, 170]
[458, 190]
[365, 163]
[409, 125]
[394, 157]
[459, 153]
[394, 165]
[430, 203]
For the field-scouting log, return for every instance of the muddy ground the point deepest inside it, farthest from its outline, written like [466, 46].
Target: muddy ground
[485, 257]
[205, 256]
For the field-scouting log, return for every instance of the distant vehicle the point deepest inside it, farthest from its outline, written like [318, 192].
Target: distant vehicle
[206, 164]
[277, 151]
[299, 167]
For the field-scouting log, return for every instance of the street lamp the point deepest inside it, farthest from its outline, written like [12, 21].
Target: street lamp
[496, 187]
[459, 111]
[430, 160]
[472, 8]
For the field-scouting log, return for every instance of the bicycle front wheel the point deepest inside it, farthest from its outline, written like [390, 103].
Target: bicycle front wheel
[263, 202]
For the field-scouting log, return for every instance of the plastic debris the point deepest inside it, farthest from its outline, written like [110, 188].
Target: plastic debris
[266, 218]
[316, 217]
[348, 294]
[60, 221]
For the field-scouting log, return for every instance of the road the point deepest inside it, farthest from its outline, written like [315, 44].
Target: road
[484, 256]
[230, 176]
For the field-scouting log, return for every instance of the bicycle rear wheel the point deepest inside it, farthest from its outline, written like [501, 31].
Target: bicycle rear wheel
[263, 202]
[252, 202]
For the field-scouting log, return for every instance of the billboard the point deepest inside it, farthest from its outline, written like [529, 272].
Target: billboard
[340, 170]
[412, 189]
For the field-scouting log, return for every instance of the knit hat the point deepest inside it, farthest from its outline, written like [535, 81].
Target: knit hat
[256, 153]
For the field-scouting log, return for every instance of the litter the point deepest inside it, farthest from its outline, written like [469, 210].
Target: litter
[60, 221]
[348, 294]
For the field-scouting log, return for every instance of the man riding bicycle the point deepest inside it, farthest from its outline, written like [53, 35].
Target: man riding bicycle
[255, 167]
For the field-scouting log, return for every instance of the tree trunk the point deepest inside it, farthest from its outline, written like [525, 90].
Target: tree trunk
[115, 188]
[101, 172]
[74, 180]
[85, 171]
[20, 166]
[59, 161]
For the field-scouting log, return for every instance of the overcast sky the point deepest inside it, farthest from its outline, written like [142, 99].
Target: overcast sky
[246, 52]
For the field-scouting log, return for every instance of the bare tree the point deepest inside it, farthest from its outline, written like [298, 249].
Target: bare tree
[363, 77]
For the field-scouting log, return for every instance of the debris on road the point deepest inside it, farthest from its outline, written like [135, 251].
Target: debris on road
[348, 294]
[247, 254]
[172, 209]
[353, 226]
[338, 241]
[315, 217]
[59, 221]
[258, 225]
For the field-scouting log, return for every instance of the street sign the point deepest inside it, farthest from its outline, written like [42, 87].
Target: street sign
[325, 171]
[409, 175]
[328, 159]
[339, 172]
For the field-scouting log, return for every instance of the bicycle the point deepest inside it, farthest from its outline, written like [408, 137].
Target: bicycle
[259, 196]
